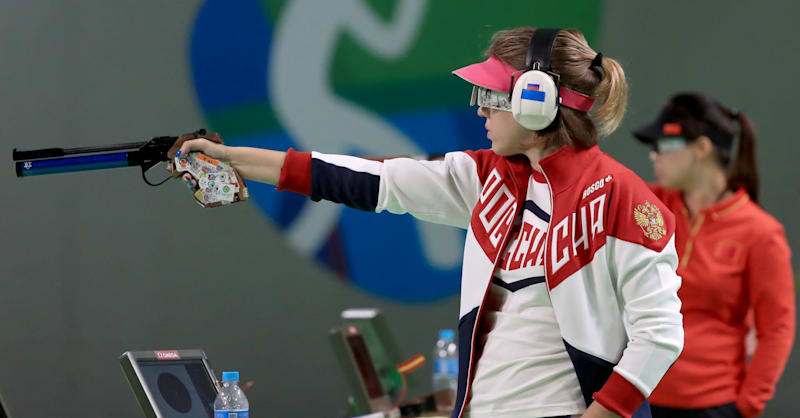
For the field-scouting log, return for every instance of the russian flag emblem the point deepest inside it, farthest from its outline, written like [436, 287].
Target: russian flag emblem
[532, 92]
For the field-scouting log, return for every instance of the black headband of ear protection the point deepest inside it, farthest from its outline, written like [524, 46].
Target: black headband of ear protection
[540, 48]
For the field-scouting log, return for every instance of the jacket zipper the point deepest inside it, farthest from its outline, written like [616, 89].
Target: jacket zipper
[687, 252]
[547, 239]
[485, 292]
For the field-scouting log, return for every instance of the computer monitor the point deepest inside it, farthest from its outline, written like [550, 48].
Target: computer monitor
[171, 383]
[383, 348]
[366, 392]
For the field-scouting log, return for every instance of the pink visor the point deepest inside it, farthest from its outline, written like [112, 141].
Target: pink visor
[494, 74]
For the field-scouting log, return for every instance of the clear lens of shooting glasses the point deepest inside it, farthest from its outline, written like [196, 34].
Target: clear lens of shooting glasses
[669, 144]
[491, 99]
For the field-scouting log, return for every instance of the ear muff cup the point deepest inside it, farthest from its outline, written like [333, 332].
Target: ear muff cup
[534, 101]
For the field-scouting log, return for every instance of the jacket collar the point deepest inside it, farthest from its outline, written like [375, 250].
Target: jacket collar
[721, 208]
[521, 170]
[565, 166]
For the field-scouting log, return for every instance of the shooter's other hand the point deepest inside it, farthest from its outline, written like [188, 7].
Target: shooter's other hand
[596, 410]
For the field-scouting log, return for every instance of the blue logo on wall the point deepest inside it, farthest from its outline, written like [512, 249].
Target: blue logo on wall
[289, 76]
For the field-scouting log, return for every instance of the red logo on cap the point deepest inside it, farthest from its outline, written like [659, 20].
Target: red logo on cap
[671, 129]
[168, 355]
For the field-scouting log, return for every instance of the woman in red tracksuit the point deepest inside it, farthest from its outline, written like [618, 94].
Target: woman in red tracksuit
[581, 321]
[734, 260]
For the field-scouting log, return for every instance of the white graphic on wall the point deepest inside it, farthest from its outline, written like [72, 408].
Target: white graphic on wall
[303, 46]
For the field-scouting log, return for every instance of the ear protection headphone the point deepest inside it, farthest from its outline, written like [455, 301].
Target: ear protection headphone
[534, 97]
[536, 94]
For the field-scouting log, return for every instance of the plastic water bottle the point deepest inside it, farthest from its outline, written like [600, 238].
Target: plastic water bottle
[445, 361]
[231, 402]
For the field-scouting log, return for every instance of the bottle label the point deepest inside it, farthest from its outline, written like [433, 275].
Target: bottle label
[448, 367]
[232, 414]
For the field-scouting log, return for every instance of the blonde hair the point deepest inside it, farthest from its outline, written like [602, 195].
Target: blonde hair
[571, 59]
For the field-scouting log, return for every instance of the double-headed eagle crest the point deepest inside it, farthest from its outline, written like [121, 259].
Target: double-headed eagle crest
[649, 218]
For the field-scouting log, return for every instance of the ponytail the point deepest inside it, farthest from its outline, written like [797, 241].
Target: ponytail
[743, 172]
[613, 93]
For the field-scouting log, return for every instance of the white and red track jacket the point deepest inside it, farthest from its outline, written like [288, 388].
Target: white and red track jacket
[610, 255]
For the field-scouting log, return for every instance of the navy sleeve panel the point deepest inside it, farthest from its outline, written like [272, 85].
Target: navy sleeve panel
[593, 373]
[342, 185]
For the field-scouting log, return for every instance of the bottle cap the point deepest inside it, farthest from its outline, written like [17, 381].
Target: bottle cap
[230, 377]
[447, 334]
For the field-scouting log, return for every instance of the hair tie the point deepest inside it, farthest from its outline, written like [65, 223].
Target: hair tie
[735, 113]
[597, 66]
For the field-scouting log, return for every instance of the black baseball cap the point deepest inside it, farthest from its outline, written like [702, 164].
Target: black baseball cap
[689, 115]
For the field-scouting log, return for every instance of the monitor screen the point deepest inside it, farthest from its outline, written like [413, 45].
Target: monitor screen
[180, 388]
[364, 363]
[383, 349]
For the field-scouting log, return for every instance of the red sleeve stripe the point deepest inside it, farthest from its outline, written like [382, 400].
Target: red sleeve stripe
[619, 396]
[296, 172]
